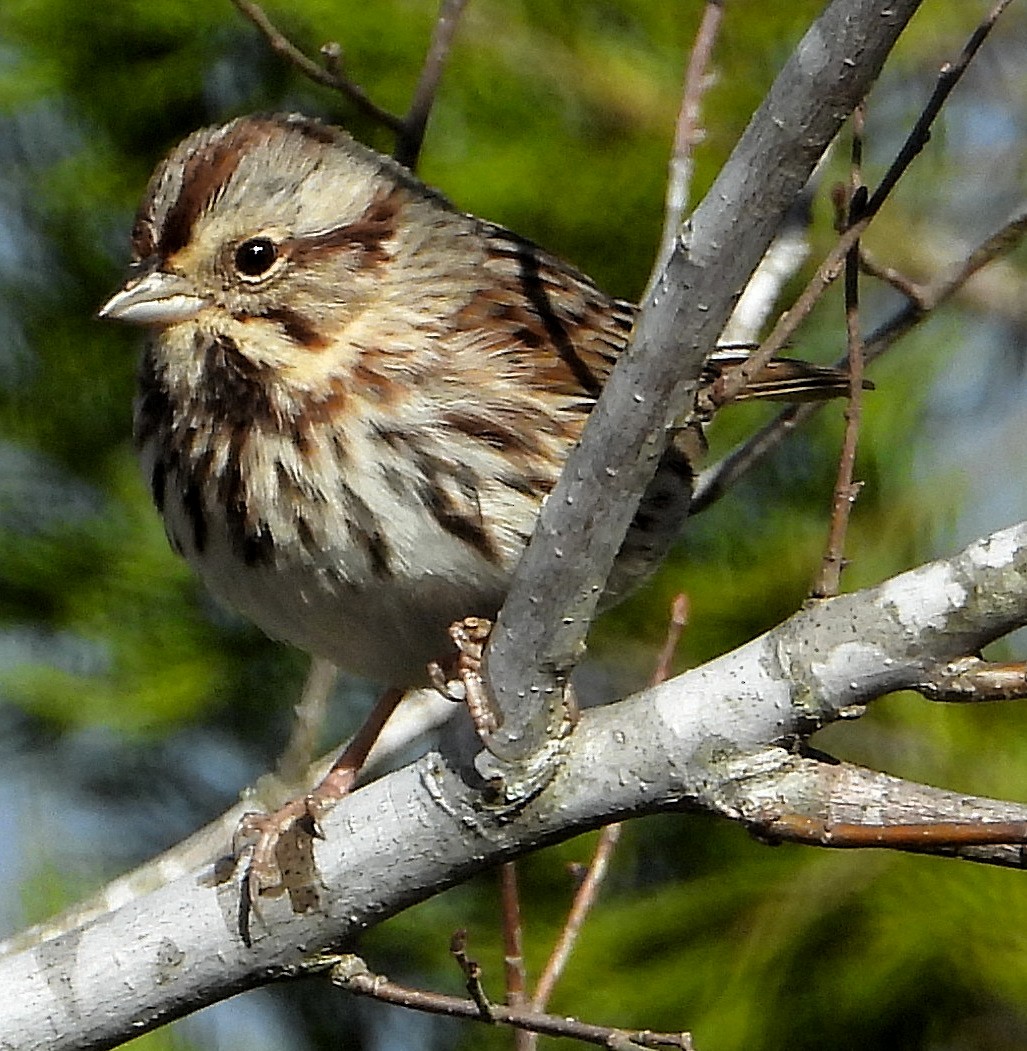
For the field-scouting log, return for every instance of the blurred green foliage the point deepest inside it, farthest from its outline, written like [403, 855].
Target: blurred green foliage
[555, 119]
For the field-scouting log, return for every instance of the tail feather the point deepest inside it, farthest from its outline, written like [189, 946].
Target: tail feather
[782, 379]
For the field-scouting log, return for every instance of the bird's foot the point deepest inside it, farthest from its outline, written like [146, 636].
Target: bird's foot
[460, 678]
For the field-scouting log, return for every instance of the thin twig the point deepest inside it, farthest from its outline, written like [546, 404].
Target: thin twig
[352, 975]
[846, 490]
[328, 75]
[472, 976]
[513, 947]
[409, 130]
[688, 131]
[675, 626]
[731, 384]
[948, 77]
[588, 891]
[584, 899]
[888, 275]
[928, 837]
[301, 749]
[972, 680]
[411, 135]
[721, 476]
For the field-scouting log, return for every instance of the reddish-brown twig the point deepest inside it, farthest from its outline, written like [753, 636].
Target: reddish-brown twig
[513, 947]
[932, 837]
[688, 131]
[846, 489]
[351, 973]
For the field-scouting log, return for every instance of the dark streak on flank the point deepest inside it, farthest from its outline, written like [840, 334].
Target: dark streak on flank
[470, 530]
[493, 431]
[463, 520]
[192, 504]
[306, 536]
[440, 480]
[158, 481]
[365, 530]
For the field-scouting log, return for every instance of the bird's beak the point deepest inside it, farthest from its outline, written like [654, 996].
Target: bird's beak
[155, 298]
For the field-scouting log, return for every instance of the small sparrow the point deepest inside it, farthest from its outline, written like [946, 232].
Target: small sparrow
[354, 399]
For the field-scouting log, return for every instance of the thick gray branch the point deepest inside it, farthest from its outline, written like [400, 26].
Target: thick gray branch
[713, 739]
[541, 630]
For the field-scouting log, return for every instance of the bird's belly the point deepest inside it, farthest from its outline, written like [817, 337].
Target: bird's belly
[381, 612]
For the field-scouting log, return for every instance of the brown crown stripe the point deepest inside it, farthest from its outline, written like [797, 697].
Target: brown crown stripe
[205, 174]
[369, 233]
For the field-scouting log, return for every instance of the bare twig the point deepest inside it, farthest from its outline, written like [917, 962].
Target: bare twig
[846, 490]
[411, 134]
[890, 276]
[971, 680]
[351, 974]
[720, 477]
[472, 976]
[948, 77]
[301, 750]
[675, 626]
[930, 837]
[688, 131]
[409, 130]
[329, 75]
[729, 385]
[513, 950]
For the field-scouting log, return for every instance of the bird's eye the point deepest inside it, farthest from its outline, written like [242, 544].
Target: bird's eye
[255, 257]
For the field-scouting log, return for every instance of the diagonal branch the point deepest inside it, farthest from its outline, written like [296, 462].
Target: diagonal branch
[423, 828]
[717, 479]
[541, 630]
[409, 130]
[327, 77]
[411, 135]
[688, 132]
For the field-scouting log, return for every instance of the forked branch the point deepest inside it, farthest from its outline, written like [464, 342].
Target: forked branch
[409, 129]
